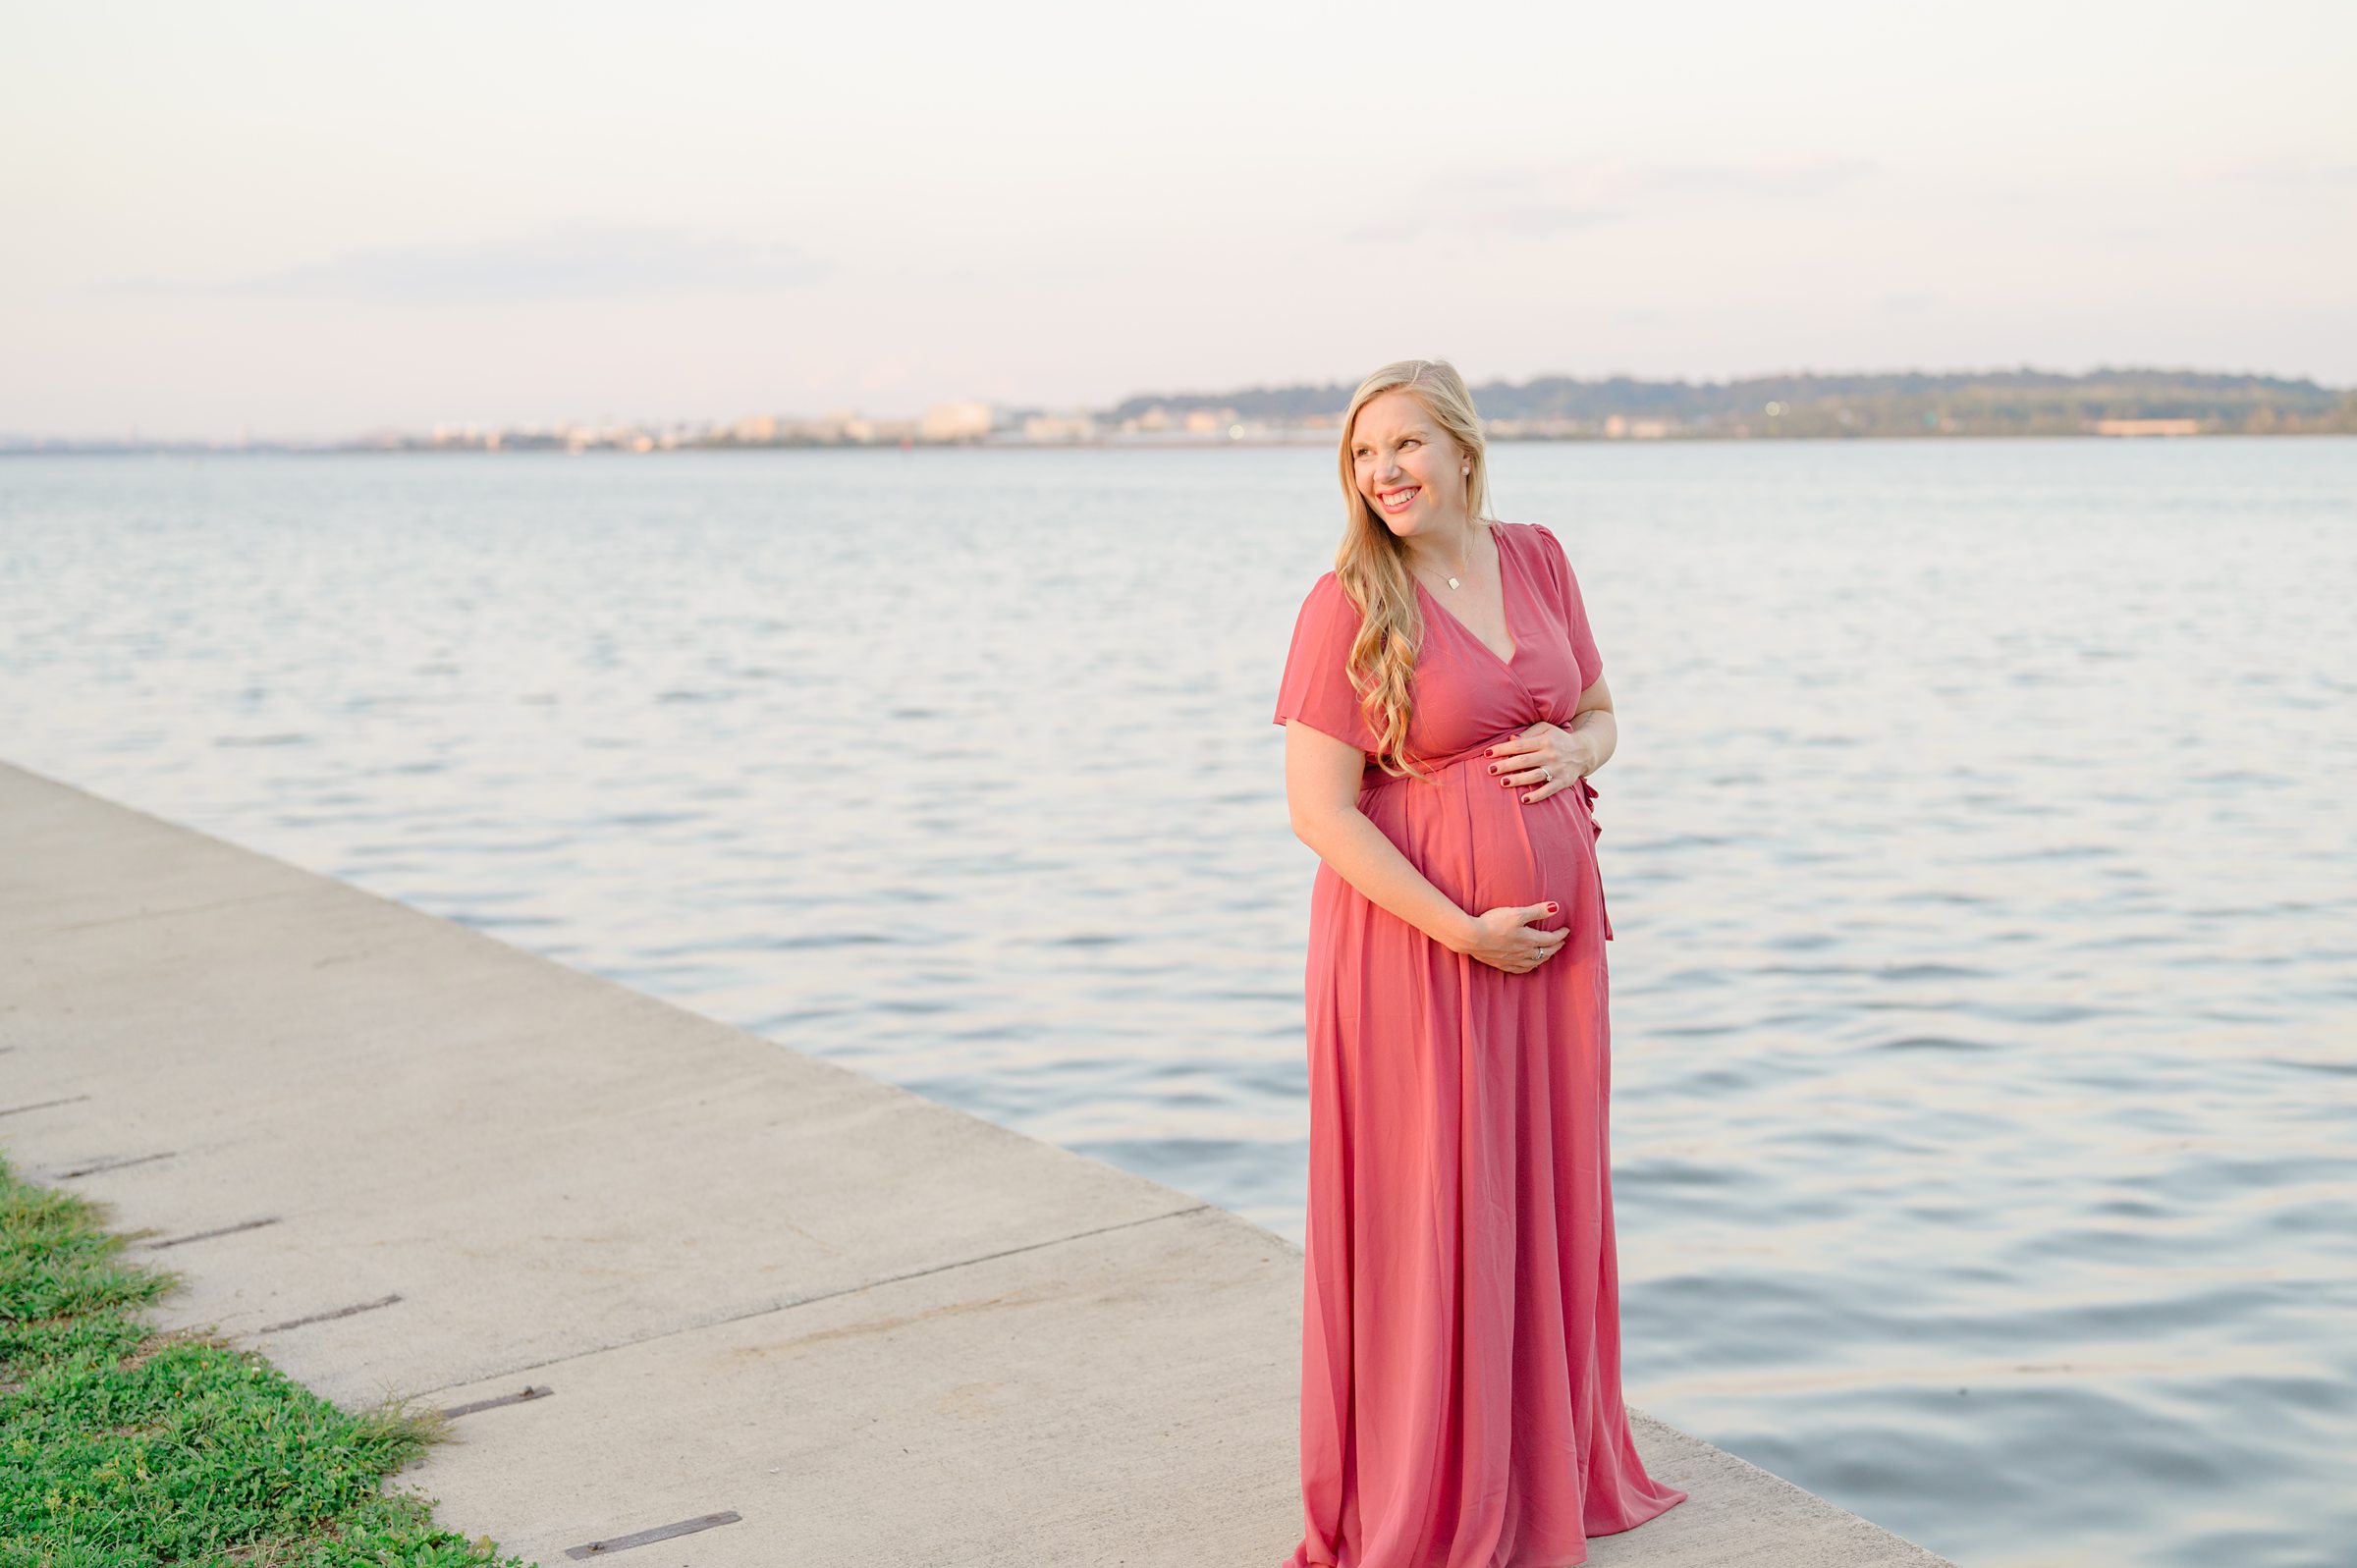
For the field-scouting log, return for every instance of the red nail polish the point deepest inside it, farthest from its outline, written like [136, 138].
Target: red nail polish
[1552, 909]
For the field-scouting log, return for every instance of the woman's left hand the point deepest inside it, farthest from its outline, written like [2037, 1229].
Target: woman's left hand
[1546, 756]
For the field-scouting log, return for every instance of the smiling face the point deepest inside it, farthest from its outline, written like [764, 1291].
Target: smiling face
[1409, 472]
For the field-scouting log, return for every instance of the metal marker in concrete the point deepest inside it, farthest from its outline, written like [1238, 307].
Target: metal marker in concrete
[865, 1327]
[207, 1235]
[527, 1392]
[114, 1165]
[328, 1315]
[647, 1538]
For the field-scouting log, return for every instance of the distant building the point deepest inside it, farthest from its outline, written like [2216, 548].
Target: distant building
[2148, 427]
[1541, 427]
[955, 421]
[1075, 426]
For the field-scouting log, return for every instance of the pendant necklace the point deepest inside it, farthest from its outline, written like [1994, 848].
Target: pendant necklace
[1453, 582]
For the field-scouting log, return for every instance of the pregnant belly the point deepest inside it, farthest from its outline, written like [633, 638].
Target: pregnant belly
[1476, 841]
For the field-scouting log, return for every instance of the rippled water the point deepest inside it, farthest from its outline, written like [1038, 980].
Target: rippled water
[1979, 848]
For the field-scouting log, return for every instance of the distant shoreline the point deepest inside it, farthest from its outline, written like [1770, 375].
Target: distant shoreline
[2103, 404]
[1324, 441]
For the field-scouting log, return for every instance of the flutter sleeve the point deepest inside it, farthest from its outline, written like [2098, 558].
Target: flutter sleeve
[1574, 609]
[1316, 688]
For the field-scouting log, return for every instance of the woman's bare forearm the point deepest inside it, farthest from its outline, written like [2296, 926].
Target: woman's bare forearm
[1363, 856]
[1601, 733]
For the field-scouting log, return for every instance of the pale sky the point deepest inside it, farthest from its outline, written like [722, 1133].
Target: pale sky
[315, 219]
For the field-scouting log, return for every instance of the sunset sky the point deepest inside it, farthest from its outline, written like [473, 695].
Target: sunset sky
[312, 220]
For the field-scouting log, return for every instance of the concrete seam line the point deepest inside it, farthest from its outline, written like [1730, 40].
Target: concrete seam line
[806, 1300]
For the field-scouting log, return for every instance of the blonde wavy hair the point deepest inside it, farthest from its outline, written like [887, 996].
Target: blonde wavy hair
[1371, 565]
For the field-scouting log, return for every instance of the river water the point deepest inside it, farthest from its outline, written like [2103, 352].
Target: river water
[1979, 848]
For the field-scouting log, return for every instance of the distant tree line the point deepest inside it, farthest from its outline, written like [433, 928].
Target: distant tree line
[2022, 402]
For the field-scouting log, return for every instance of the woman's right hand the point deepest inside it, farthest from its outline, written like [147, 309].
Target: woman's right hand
[1504, 938]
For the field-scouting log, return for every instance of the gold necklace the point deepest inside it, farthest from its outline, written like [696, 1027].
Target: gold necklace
[1452, 582]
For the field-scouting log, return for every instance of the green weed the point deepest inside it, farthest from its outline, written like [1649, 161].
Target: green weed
[125, 1447]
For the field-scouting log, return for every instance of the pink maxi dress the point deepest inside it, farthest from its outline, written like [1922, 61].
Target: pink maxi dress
[1461, 1338]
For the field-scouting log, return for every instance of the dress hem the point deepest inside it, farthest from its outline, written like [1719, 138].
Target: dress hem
[1296, 1560]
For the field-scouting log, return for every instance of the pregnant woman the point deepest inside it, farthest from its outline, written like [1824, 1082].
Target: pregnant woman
[1444, 703]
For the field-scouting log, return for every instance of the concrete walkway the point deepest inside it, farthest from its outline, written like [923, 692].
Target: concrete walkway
[697, 1295]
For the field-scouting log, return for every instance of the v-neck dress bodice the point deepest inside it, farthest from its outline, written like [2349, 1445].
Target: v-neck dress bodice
[1460, 1381]
[1507, 579]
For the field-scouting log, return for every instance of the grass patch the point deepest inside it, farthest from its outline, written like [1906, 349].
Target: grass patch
[123, 1447]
